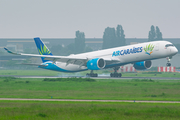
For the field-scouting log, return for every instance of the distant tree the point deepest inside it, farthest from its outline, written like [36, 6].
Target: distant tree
[154, 34]
[113, 38]
[106, 41]
[109, 38]
[79, 42]
[158, 34]
[118, 35]
[73, 48]
[122, 36]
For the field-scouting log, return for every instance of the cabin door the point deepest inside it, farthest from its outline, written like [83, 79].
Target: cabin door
[157, 47]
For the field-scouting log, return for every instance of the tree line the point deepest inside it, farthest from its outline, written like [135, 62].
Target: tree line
[154, 34]
[112, 37]
[78, 46]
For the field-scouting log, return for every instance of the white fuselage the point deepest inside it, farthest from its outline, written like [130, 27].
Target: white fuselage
[125, 55]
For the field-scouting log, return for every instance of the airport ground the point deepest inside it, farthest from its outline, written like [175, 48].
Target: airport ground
[23, 110]
[88, 89]
[106, 73]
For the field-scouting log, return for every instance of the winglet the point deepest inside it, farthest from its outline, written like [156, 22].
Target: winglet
[10, 51]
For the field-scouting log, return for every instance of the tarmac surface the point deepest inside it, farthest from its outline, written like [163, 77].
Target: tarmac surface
[78, 100]
[99, 77]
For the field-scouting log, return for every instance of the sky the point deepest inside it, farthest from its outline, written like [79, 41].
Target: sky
[61, 18]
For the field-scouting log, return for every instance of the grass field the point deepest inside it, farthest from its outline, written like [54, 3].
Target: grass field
[15, 110]
[78, 88]
[29, 72]
[42, 72]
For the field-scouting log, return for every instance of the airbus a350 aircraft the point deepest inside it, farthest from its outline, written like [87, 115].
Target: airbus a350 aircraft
[140, 55]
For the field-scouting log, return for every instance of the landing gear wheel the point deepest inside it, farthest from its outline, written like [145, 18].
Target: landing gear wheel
[92, 74]
[111, 74]
[168, 64]
[115, 74]
[120, 74]
[87, 75]
[168, 61]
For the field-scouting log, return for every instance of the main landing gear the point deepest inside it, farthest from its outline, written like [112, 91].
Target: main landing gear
[116, 74]
[168, 61]
[92, 74]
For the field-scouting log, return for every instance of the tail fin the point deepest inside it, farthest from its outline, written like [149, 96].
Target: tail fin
[42, 48]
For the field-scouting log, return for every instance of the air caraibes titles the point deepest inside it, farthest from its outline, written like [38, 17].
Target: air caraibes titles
[127, 51]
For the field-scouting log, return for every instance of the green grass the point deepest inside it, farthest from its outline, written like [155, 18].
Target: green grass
[151, 74]
[42, 72]
[105, 89]
[29, 72]
[19, 110]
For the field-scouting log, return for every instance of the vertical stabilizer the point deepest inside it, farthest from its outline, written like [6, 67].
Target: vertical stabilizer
[42, 48]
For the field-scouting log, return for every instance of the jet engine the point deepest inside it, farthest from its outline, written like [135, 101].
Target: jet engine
[143, 65]
[96, 64]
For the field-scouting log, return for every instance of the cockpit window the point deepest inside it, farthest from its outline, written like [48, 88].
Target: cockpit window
[167, 45]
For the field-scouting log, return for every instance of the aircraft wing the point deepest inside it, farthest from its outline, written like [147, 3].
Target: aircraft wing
[66, 59]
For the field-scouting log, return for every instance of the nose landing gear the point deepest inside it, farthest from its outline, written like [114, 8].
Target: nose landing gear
[168, 61]
[168, 64]
[116, 74]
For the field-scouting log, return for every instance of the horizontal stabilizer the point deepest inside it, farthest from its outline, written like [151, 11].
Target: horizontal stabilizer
[34, 64]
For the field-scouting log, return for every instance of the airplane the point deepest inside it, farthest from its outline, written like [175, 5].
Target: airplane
[140, 55]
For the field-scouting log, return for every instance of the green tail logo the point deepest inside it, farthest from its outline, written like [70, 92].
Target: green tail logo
[44, 51]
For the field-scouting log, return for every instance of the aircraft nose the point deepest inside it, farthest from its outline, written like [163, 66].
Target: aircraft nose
[175, 50]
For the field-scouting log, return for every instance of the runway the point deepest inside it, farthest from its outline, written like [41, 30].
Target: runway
[79, 100]
[99, 77]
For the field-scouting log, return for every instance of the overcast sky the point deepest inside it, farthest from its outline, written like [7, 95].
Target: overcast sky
[61, 18]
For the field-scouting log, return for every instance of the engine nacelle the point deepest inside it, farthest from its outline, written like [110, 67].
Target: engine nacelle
[96, 64]
[143, 65]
